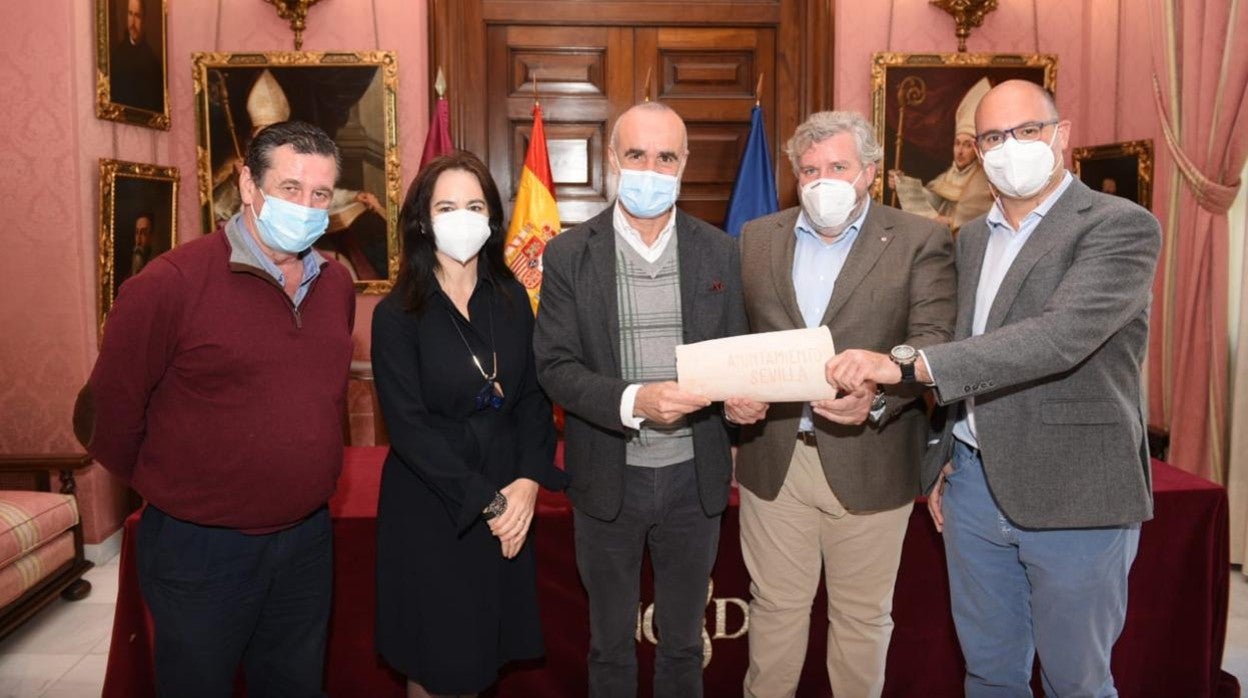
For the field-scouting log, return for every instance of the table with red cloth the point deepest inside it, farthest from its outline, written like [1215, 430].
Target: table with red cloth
[1171, 646]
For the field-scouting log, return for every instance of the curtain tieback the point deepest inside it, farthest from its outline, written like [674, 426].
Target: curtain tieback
[1212, 196]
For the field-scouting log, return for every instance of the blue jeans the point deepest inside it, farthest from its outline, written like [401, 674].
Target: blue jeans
[219, 597]
[1017, 593]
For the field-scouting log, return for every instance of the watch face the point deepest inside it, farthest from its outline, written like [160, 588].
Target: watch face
[903, 353]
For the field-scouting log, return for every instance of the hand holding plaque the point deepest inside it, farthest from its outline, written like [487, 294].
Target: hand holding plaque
[785, 366]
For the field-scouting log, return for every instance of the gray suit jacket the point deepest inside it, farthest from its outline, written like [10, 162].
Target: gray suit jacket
[1056, 374]
[577, 344]
[897, 287]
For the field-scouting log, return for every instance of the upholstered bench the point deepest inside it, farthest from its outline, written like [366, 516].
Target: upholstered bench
[40, 539]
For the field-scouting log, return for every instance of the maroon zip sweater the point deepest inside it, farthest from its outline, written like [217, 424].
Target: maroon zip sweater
[215, 397]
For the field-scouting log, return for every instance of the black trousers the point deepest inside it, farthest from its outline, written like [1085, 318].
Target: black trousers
[219, 597]
[661, 510]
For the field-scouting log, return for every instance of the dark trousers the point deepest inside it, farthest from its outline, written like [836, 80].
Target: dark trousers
[661, 509]
[219, 598]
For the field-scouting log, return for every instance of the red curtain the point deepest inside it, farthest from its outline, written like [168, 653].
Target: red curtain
[1200, 72]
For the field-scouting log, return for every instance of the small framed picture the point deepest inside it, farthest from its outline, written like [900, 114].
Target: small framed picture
[352, 96]
[138, 222]
[1124, 169]
[131, 82]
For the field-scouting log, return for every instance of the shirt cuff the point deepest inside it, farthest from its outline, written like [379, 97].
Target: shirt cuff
[627, 401]
[930, 372]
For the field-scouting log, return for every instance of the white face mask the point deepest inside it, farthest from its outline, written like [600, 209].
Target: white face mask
[1020, 170]
[828, 202]
[460, 234]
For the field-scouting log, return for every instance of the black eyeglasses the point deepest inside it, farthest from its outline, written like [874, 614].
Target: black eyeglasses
[1023, 133]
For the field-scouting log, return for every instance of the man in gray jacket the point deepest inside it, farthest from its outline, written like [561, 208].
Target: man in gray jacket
[650, 464]
[1049, 480]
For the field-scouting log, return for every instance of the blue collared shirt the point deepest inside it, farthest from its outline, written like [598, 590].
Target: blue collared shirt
[816, 266]
[311, 260]
[1004, 244]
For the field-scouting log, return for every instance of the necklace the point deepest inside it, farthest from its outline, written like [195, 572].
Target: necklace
[490, 394]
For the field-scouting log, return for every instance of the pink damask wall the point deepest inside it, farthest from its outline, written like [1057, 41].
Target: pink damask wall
[49, 154]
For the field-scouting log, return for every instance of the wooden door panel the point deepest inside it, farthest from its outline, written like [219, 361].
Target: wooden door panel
[708, 75]
[589, 60]
[581, 75]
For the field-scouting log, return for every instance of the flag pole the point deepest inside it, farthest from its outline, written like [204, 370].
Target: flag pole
[646, 88]
[758, 91]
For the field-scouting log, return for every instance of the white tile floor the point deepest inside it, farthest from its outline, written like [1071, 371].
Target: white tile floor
[63, 652]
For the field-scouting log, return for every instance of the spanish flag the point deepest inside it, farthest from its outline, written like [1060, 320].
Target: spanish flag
[535, 218]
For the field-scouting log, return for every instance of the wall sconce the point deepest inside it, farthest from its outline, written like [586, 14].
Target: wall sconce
[967, 14]
[296, 11]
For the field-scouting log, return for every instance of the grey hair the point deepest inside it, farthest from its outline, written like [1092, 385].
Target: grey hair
[823, 125]
[646, 106]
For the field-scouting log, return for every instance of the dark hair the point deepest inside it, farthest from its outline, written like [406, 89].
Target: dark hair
[305, 138]
[416, 274]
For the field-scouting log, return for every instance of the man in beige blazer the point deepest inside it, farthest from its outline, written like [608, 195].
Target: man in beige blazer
[831, 484]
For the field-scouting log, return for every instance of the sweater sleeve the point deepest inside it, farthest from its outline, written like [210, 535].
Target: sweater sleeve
[419, 446]
[139, 342]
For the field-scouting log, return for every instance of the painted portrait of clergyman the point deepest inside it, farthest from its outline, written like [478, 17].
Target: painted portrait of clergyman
[350, 97]
[136, 69]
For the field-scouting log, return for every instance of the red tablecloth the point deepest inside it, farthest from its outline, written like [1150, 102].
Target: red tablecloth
[1171, 646]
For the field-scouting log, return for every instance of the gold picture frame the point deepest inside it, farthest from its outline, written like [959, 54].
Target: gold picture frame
[132, 69]
[921, 92]
[130, 192]
[353, 96]
[1127, 165]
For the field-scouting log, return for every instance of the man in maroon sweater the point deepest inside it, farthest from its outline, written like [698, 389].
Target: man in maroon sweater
[218, 395]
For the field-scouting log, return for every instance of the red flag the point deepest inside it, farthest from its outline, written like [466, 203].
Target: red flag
[438, 142]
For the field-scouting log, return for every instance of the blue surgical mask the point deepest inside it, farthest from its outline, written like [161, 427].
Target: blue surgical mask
[646, 193]
[288, 227]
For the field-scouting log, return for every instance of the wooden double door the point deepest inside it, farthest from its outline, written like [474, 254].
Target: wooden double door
[588, 61]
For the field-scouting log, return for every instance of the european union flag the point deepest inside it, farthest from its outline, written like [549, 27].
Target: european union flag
[754, 193]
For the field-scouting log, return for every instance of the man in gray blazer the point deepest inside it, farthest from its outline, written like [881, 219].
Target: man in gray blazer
[829, 486]
[650, 465]
[1049, 479]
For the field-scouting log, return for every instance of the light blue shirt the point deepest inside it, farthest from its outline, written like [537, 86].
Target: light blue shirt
[816, 266]
[1004, 244]
[311, 261]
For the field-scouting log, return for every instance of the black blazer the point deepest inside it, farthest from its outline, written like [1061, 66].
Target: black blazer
[577, 343]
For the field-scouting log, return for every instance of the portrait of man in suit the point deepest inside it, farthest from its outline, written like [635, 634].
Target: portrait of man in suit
[136, 75]
[1041, 477]
[828, 486]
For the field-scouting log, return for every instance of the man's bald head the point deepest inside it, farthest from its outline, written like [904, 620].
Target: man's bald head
[1016, 95]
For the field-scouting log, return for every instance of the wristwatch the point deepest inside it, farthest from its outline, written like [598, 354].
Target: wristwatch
[877, 406]
[904, 356]
[495, 508]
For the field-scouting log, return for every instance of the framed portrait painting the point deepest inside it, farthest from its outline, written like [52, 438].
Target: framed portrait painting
[131, 77]
[1124, 169]
[352, 96]
[138, 222]
[923, 107]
